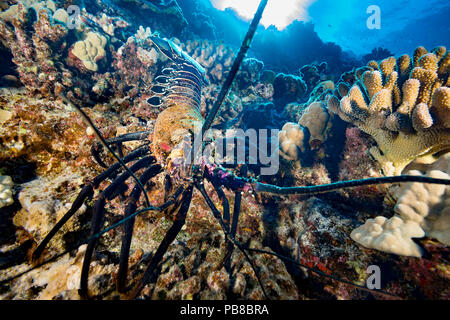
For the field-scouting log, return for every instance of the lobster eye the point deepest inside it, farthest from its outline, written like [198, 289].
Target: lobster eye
[167, 71]
[154, 101]
[159, 89]
[162, 79]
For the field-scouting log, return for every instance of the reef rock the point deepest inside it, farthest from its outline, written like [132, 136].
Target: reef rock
[288, 88]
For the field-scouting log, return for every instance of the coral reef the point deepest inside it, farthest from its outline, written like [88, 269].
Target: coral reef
[40, 212]
[36, 53]
[249, 73]
[163, 15]
[287, 88]
[406, 124]
[377, 54]
[109, 65]
[422, 209]
[313, 73]
[215, 57]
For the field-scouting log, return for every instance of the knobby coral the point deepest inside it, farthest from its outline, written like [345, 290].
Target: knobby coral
[406, 123]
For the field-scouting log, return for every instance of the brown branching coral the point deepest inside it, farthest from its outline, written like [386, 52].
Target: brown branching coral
[403, 104]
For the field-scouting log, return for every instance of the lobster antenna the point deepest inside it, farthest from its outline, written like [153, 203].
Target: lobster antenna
[212, 114]
[95, 236]
[99, 136]
[310, 190]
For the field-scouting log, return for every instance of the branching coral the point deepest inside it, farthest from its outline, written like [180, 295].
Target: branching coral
[421, 208]
[406, 123]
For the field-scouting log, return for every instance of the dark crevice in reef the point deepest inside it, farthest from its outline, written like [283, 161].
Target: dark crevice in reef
[334, 147]
[19, 169]
[8, 73]
[15, 256]
[307, 286]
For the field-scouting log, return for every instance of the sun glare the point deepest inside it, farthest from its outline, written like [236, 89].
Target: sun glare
[279, 13]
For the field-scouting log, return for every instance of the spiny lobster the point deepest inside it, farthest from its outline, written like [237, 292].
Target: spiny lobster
[179, 88]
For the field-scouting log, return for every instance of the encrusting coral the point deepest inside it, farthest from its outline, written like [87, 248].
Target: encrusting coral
[423, 209]
[408, 123]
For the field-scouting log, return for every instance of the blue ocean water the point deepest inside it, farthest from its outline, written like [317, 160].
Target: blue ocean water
[334, 28]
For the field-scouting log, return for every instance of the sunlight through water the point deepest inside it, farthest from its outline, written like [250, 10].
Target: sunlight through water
[279, 13]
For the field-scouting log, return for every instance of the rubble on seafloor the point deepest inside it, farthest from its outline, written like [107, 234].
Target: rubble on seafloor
[325, 136]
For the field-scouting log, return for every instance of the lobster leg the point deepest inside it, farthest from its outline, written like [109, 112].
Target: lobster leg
[86, 192]
[236, 212]
[226, 230]
[129, 225]
[226, 219]
[168, 239]
[97, 219]
[234, 224]
[98, 147]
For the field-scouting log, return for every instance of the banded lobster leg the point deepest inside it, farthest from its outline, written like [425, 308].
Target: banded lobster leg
[129, 226]
[170, 236]
[86, 192]
[97, 219]
[235, 219]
